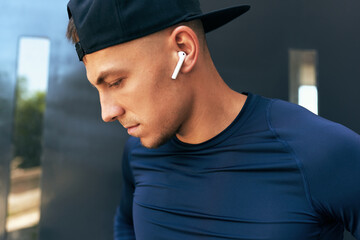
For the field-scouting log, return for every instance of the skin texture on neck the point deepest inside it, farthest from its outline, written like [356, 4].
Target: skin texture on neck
[215, 105]
[135, 88]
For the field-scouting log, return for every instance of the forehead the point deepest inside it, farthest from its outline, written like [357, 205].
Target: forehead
[107, 59]
[123, 55]
[109, 53]
[145, 45]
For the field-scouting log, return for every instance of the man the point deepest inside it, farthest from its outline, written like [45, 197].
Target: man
[206, 162]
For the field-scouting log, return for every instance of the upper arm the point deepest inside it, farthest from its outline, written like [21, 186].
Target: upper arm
[329, 155]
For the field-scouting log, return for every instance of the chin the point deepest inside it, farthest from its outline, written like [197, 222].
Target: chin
[156, 142]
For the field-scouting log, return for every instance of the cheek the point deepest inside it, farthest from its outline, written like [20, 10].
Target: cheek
[155, 98]
[171, 109]
[154, 92]
[158, 110]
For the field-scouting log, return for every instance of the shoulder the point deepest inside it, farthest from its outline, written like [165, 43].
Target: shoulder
[327, 152]
[293, 121]
[286, 114]
[320, 145]
[308, 133]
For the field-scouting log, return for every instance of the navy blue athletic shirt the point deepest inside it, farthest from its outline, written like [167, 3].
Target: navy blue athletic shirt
[278, 172]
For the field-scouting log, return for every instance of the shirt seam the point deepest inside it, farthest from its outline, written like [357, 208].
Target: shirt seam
[292, 152]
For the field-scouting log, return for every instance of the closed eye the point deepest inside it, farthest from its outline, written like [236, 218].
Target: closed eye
[115, 83]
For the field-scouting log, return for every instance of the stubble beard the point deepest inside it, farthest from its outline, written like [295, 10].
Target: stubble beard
[164, 137]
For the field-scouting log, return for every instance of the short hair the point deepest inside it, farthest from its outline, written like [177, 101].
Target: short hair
[71, 32]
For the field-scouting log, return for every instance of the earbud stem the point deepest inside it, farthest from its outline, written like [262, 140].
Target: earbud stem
[182, 56]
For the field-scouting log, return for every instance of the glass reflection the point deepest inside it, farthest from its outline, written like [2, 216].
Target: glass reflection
[24, 198]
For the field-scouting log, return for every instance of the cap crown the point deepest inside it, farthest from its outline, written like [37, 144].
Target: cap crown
[103, 23]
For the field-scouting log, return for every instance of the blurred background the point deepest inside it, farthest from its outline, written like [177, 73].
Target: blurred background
[60, 165]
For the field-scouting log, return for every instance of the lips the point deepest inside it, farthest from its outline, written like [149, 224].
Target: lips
[131, 129]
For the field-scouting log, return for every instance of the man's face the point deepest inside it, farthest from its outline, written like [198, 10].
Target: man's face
[135, 87]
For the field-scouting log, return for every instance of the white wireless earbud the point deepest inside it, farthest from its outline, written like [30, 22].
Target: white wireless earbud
[182, 56]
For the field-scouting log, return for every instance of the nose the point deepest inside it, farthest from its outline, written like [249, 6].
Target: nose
[111, 110]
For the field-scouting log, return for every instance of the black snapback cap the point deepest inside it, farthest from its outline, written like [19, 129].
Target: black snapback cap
[104, 23]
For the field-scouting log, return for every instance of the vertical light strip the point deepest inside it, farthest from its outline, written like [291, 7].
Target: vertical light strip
[25, 192]
[302, 79]
[308, 97]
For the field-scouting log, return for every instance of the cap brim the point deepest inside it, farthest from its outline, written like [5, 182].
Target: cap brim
[216, 19]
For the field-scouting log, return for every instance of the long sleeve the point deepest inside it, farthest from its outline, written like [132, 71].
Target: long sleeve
[329, 156]
[340, 199]
[123, 222]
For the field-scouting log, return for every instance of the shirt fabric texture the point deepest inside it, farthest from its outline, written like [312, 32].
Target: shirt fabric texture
[278, 172]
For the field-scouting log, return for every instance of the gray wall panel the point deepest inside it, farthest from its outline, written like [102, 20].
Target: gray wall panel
[7, 80]
[82, 159]
[8, 52]
[81, 156]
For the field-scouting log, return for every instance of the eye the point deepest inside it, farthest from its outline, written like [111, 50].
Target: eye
[115, 83]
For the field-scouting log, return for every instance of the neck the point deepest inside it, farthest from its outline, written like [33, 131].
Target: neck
[214, 108]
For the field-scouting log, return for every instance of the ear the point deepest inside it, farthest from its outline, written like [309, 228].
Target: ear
[184, 39]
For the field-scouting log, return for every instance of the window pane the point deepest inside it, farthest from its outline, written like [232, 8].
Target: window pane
[302, 79]
[308, 98]
[24, 197]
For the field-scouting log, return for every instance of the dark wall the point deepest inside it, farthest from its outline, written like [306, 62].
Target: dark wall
[251, 53]
[82, 155]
